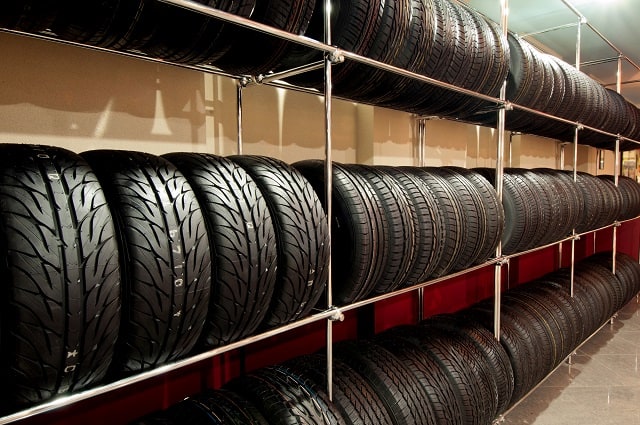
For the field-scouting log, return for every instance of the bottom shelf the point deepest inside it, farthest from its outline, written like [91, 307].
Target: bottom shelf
[604, 382]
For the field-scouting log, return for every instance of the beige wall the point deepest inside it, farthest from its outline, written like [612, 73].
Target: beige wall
[81, 99]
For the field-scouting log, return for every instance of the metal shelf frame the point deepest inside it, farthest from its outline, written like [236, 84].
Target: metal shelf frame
[332, 57]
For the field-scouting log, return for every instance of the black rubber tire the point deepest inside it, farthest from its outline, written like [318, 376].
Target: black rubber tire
[399, 389]
[284, 397]
[398, 232]
[561, 308]
[302, 237]
[451, 207]
[471, 378]
[492, 352]
[243, 245]
[520, 215]
[358, 246]
[494, 216]
[548, 323]
[164, 257]
[61, 279]
[593, 203]
[227, 407]
[353, 396]
[575, 308]
[256, 53]
[517, 341]
[475, 216]
[429, 223]
[28, 15]
[441, 391]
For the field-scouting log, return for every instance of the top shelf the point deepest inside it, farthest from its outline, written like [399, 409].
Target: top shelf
[336, 56]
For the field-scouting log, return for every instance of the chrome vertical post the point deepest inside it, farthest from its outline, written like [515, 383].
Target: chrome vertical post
[561, 169]
[502, 115]
[616, 177]
[328, 93]
[579, 43]
[575, 179]
[240, 87]
[422, 136]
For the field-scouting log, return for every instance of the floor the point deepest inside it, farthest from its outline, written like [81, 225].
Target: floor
[600, 387]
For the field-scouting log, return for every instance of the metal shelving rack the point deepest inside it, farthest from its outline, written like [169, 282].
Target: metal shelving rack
[333, 56]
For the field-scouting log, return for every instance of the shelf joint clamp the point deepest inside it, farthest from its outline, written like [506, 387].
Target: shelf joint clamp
[336, 56]
[337, 316]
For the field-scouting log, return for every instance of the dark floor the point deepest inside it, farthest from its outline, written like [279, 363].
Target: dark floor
[600, 387]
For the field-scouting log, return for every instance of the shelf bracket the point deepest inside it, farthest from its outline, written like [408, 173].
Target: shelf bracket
[337, 316]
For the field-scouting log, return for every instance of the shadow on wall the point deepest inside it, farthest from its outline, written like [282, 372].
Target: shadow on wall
[50, 91]
[291, 126]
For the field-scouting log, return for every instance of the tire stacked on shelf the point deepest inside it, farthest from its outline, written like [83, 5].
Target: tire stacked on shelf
[116, 262]
[61, 279]
[541, 323]
[164, 257]
[400, 226]
[243, 243]
[169, 32]
[542, 82]
[603, 201]
[542, 206]
[630, 192]
[439, 39]
[449, 369]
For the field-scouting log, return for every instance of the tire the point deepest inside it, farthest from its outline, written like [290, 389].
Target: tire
[59, 262]
[255, 53]
[490, 349]
[562, 309]
[302, 237]
[450, 205]
[227, 407]
[428, 224]
[441, 391]
[358, 245]
[519, 344]
[520, 215]
[399, 389]
[284, 397]
[399, 231]
[242, 241]
[474, 385]
[353, 397]
[549, 320]
[164, 256]
[475, 216]
[494, 217]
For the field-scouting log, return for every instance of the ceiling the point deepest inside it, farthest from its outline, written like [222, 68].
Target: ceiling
[617, 20]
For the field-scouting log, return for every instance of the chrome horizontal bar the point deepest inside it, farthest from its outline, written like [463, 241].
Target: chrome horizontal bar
[572, 123]
[383, 297]
[93, 392]
[538, 248]
[600, 61]
[559, 27]
[623, 83]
